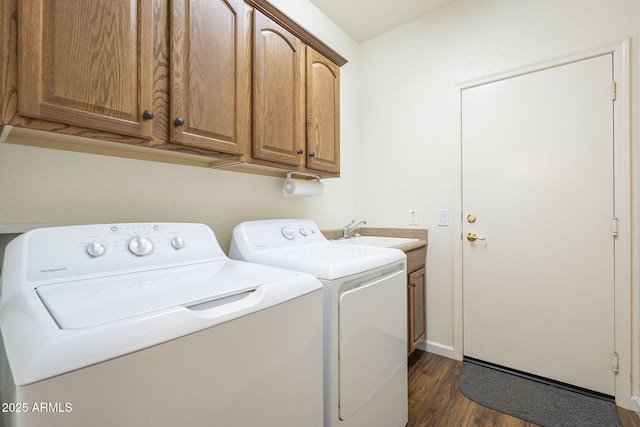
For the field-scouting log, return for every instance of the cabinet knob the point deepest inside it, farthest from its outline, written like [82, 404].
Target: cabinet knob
[312, 154]
[300, 151]
[179, 121]
[147, 114]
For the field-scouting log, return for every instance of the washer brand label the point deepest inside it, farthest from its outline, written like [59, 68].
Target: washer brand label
[53, 270]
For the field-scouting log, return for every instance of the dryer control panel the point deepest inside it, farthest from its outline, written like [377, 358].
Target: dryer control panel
[276, 233]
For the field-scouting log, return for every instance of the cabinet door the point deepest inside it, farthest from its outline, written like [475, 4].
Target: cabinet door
[323, 113]
[278, 94]
[87, 63]
[211, 86]
[416, 319]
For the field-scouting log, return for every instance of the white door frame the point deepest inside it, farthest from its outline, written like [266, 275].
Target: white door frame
[622, 208]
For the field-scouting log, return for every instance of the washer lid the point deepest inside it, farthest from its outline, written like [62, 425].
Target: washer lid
[329, 261]
[89, 303]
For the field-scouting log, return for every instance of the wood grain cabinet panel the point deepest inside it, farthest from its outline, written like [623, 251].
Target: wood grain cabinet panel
[211, 76]
[87, 63]
[416, 297]
[323, 113]
[416, 318]
[278, 93]
[296, 94]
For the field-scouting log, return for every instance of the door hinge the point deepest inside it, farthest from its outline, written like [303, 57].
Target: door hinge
[613, 91]
[615, 360]
[614, 227]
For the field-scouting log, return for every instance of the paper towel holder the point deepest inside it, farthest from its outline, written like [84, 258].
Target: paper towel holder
[289, 186]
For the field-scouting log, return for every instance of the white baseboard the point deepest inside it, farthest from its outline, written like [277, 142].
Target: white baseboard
[636, 401]
[437, 348]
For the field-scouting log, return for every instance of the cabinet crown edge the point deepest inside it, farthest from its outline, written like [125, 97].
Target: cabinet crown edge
[299, 31]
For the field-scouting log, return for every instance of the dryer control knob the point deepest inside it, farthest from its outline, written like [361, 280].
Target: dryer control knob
[140, 246]
[95, 249]
[177, 243]
[288, 233]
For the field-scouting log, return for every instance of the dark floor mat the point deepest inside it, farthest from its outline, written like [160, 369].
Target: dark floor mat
[533, 401]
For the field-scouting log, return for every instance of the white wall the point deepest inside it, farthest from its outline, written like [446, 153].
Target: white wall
[41, 186]
[408, 117]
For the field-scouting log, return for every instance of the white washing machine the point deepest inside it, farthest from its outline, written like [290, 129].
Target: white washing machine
[365, 316]
[152, 325]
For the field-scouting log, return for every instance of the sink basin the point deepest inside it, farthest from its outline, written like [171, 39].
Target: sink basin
[383, 242]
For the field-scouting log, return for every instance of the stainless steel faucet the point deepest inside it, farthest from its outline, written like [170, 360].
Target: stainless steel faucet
[350, 227]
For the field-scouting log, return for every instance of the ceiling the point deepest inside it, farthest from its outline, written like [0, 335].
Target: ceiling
[365, 19]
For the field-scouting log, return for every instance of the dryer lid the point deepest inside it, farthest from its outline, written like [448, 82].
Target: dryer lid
[298, 244]
[329, 261]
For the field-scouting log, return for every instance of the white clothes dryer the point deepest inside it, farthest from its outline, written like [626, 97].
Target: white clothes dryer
[365, 316]
[152, 325]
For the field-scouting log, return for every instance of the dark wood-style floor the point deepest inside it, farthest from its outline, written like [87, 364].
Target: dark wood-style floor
[434, 398]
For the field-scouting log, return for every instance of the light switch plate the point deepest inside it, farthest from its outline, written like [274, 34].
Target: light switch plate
[443, 217]
[413, 216]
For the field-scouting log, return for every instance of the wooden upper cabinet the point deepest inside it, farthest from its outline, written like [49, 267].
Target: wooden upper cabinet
[232, 80]
[87, 63]
[323, 113]
[211, 75]
[278, 93]
[296, 93]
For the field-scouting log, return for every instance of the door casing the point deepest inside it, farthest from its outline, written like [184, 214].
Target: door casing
[622, 208]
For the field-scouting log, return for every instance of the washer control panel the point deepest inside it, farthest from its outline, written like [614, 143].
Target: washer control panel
[94, 250]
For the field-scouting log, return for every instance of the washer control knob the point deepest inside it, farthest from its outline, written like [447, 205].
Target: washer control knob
[303, 232]
[288, 233]
[140, 246]
[95, 249]
[177, 243]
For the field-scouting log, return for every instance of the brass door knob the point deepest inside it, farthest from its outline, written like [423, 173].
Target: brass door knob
[472, 237]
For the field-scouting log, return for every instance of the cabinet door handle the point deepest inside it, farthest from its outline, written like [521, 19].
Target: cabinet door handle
[300, 151]
[312, 154]
[147, 114]
[179, 121]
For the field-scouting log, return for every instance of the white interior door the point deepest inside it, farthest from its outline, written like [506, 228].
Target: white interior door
[537, 173]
